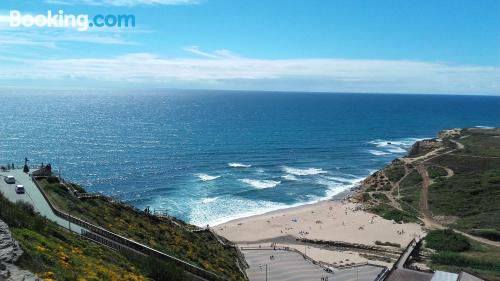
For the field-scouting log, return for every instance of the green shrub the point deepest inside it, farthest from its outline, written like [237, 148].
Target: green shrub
[53, 179]
[390, 213]
[161, 271]
[490, 234]
[460, 260]
[447, 240]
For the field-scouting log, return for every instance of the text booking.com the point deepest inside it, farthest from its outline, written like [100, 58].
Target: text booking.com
[59, 19]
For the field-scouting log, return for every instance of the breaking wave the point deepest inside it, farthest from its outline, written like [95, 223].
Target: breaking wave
[289, 177]
[239, 165]
[303, 172]
[260, 184]
[206, 177]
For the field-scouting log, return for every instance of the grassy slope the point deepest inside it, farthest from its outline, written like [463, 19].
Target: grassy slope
[479, 259]
[55, 254]
[471, 198]
[472, 195]
[171, 237]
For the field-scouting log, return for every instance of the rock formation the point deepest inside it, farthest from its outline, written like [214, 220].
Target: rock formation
[10, 252]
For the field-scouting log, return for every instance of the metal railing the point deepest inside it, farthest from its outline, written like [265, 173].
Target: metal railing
[395, 265]
[126, 244]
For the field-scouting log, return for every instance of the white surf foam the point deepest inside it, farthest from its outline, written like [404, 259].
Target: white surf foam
[484, 127]
[303, 172]
[238, 165]
[341, 180]
[209, 200]
[229, 208]
[206, 177]
[385, 147]
[378, 152]
[337, 185]
[396, 150]
[260, 184]
[406, 142]
[289, 177]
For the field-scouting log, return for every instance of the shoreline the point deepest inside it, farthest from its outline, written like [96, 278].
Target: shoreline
[344, 194]
[306, 228]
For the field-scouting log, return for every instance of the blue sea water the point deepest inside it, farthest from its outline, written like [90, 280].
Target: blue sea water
[207, 157]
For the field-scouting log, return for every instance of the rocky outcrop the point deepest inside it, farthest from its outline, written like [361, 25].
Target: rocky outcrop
[450, 133]
[424, 146]
[10, 252]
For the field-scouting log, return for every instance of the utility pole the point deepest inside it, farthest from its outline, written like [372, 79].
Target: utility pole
[260, 265]
[266, 271]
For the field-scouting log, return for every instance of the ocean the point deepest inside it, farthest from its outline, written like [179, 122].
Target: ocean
[210, 156]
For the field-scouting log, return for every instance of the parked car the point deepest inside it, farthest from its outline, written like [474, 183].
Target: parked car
[20, 189]
[10, 179]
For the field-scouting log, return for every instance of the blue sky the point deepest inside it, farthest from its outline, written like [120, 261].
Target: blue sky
[319, 45]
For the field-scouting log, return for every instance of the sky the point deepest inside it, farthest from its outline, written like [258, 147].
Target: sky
[380, 46]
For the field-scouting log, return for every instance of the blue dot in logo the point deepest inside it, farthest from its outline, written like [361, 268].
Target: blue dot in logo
[91, 24]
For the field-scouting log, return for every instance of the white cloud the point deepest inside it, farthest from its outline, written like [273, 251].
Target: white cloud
[217, 54]
[52, 37]
[259, 74]
[122, 2]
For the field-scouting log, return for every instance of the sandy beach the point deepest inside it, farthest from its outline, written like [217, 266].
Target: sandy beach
[326, 220]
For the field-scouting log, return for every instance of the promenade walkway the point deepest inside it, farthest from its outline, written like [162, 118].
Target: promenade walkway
[291, 266]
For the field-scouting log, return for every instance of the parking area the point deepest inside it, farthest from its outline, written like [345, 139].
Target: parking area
[291, 266]
[9, 190]
[31, 196]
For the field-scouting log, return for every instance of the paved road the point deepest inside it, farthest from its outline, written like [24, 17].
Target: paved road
[291, 266]
[32, 196]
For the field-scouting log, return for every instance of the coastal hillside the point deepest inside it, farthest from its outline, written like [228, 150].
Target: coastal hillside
[450, 182]
[169, 235]
[33, 247]
[31, 242]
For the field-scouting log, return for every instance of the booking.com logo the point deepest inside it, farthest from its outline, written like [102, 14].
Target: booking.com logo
[81, 22]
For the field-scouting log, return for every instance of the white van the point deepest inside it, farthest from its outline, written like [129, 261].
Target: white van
[10, 179]
[20, 189]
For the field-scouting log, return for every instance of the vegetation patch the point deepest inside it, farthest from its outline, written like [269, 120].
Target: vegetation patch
[411, 180]
[390, 213]
[472, 196]
[436, 171]
[380, 197]
[56, 254]
[447, 240]
[490, 234]
[395, 172]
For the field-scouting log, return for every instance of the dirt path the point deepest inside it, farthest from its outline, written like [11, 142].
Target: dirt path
[459, 145]
[424, 199]
[449, 172]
